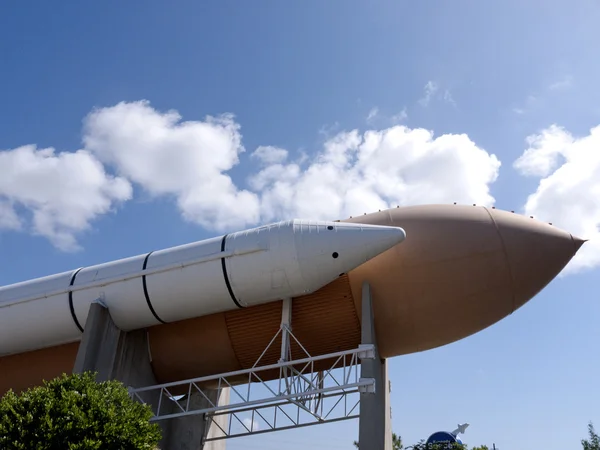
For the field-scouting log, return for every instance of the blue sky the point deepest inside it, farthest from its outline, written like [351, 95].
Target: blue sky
[298, 77]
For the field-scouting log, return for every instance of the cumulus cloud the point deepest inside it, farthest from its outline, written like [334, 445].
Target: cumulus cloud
[62, 192]
[568, 193]
[356, 173]
[9, 220]
[189, 161]
[185, 160]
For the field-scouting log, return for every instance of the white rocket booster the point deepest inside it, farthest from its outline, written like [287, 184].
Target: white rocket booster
[242, 269]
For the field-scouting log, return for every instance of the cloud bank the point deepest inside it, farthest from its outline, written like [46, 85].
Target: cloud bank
[165, 156]
[131, 144]
[61, 193]
[356, 173]
[189, 161]
[568, 192]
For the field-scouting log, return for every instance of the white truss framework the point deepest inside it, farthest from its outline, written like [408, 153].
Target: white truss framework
[300, 396]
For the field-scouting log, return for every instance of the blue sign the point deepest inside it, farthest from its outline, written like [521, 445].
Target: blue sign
[443, 439]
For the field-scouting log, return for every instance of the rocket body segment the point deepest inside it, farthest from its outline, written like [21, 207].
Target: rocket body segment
[125, 299]
[246, 268]
[192, 290]
[31, 325]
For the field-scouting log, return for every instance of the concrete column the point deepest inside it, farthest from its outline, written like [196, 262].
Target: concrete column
[189, 432]
[115, 354]
[125, 356]
[112, 353]
[375, 431]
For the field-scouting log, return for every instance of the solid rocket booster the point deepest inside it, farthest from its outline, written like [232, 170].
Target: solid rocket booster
[246, 268]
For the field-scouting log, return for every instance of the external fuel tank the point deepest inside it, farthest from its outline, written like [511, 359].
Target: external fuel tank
[459, 270]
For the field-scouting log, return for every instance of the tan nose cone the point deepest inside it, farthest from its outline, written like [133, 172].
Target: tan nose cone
[460, 270]
[535, 252]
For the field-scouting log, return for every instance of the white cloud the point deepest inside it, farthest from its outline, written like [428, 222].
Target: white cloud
[537, 100]
[356, 173]
[63, 192]
[270, 155]
[189, 161]
[530, 102]
[544, 151]
[448, 97]
[430, 89]
[186, 160]
[568, 193]
[372, 114]
[250, 424]
[564, 83]
[376, 117]
[400, 117]
[9, 220]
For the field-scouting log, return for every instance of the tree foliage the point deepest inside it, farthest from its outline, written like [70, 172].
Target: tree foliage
[396, 442]
[74, 412]
[593, 441]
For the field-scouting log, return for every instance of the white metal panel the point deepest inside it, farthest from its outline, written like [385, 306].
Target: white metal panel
[38, 287]
[193, 290]
[326, 252]
[36, 324]
[125, 299]
[265, 276]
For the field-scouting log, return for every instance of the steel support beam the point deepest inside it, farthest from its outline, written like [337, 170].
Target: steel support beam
[375, 414]
[299, 397]
[356, 385]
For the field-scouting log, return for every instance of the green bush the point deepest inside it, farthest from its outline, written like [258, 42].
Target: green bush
[74, 412]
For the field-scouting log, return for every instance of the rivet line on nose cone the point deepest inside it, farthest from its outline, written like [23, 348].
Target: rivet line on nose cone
[145, 287]
[226, 277]
[513, 288]
[71, 307]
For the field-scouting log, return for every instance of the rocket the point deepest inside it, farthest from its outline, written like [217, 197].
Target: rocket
[238, 270]
[460, 429]
[438, 274]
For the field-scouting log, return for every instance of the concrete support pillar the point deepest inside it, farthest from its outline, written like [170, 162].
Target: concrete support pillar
[189, 432]
[125, 356]
[112, 353]
[375, 431]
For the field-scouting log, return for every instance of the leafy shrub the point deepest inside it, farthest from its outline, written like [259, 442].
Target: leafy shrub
[74, 412]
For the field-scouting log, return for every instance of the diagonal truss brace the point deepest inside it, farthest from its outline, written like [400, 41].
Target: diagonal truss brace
[315, 397]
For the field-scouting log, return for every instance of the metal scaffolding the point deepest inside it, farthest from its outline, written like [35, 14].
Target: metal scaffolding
[300, 396]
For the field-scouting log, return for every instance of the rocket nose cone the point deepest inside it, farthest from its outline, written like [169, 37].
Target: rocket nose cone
[578, 242]
[339, 248]
[364, 242]
[535, 252]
